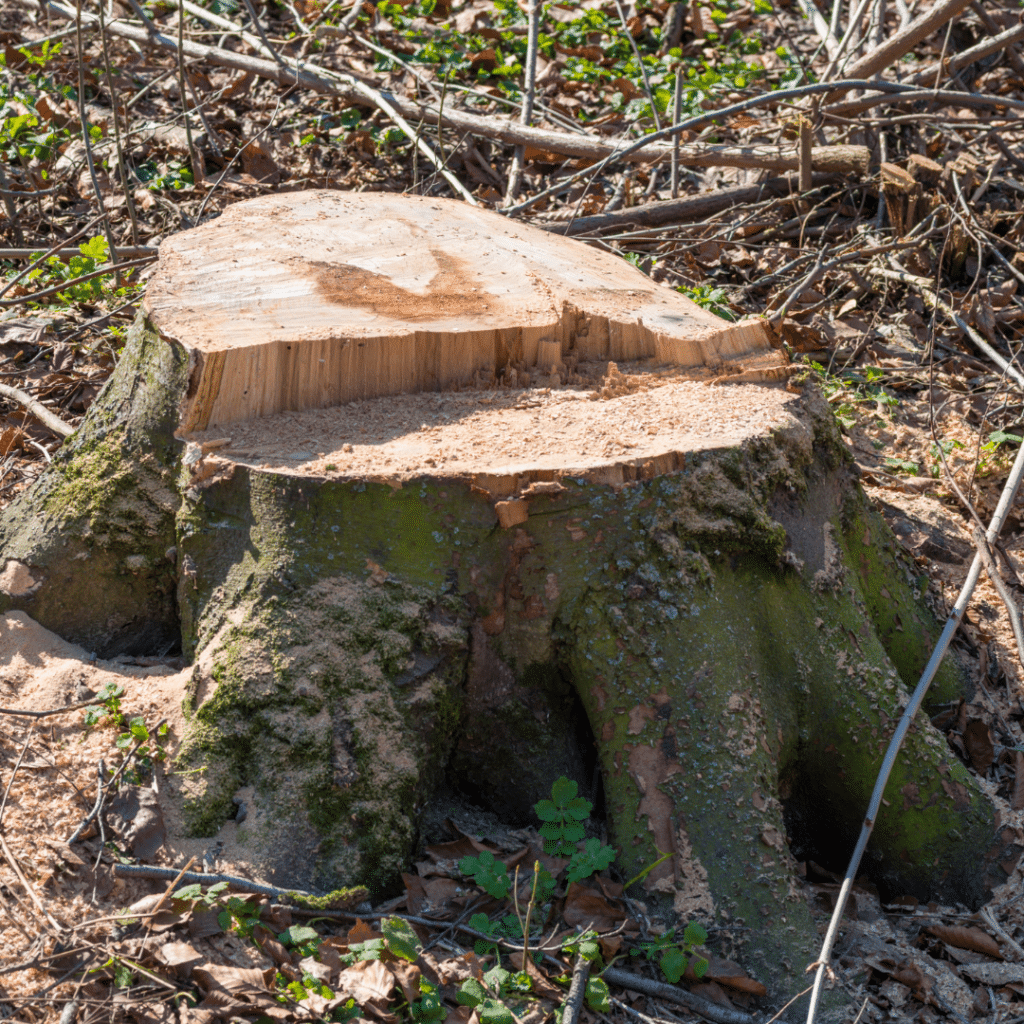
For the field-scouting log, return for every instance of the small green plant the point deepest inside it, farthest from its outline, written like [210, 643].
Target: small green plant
[936, 451]
[200, 897]
[599, 999]
[429, 1006]
[486, 994]
[239, 916]
[673, 955]
[488, 872]
[172, 175]
[997, 438]
[714, 300]
[902, 465]
[563, 816]
[148, 750]
[108, 703]
[591, 859]
[53, 271]
[585, 944]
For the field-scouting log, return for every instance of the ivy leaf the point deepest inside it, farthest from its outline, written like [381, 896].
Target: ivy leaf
[598, 996]
[471, 993]
[402, 940]
[695, 934]
[673, 963]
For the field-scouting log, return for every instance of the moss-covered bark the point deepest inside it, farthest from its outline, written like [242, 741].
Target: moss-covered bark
[735, 632]
[740, 636]
[91, 536]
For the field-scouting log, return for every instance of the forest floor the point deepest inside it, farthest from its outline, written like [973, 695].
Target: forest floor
[931, 202]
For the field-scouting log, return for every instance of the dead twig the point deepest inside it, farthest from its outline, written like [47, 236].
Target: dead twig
[577, 990]
[10, 781]
[15, 867]
[515, 172]
[52, 422]
[86, 136]
[709, 1010]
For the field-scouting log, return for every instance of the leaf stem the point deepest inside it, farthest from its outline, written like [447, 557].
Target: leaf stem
[647, 870]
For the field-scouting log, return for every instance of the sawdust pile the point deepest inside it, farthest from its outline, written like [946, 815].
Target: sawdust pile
[592, 420]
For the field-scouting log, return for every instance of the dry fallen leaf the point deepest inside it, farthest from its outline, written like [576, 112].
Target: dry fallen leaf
[978, 741]
[967, 938]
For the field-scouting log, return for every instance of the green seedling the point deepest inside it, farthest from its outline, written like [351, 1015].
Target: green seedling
[146, 746]
[239, 916]
[488, 872]
[673, 956]
[586, 862]
[714, 300]
[108, 702]
[484, 994]
[903, 465]
[429, 1006]
[598, 996]
[563, 816]
[197, 896]
[585, 945]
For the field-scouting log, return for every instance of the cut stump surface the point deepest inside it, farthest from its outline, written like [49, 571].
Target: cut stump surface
[313, 299]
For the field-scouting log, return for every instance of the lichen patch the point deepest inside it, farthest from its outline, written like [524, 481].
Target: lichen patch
[693, 897]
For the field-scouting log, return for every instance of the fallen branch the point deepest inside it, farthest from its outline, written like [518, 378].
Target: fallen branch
[939, 97]
[129, 251]
[577, 990]
[672, 211]
[53, 711]
[52, 423]
[956, 63]
[905, 40]
[711, 1011]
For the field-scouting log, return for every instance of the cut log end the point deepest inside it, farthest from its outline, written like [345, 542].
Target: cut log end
[315, 299]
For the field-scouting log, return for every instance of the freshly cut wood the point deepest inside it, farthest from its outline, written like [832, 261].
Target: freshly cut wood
[313, 299]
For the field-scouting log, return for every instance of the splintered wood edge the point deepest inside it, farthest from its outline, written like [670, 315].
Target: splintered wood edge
[232, 385]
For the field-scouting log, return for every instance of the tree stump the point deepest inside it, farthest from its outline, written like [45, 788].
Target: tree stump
[432, 497]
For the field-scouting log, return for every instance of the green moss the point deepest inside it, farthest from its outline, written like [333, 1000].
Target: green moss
[339, 899]
[902, 620]
[96, 525]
